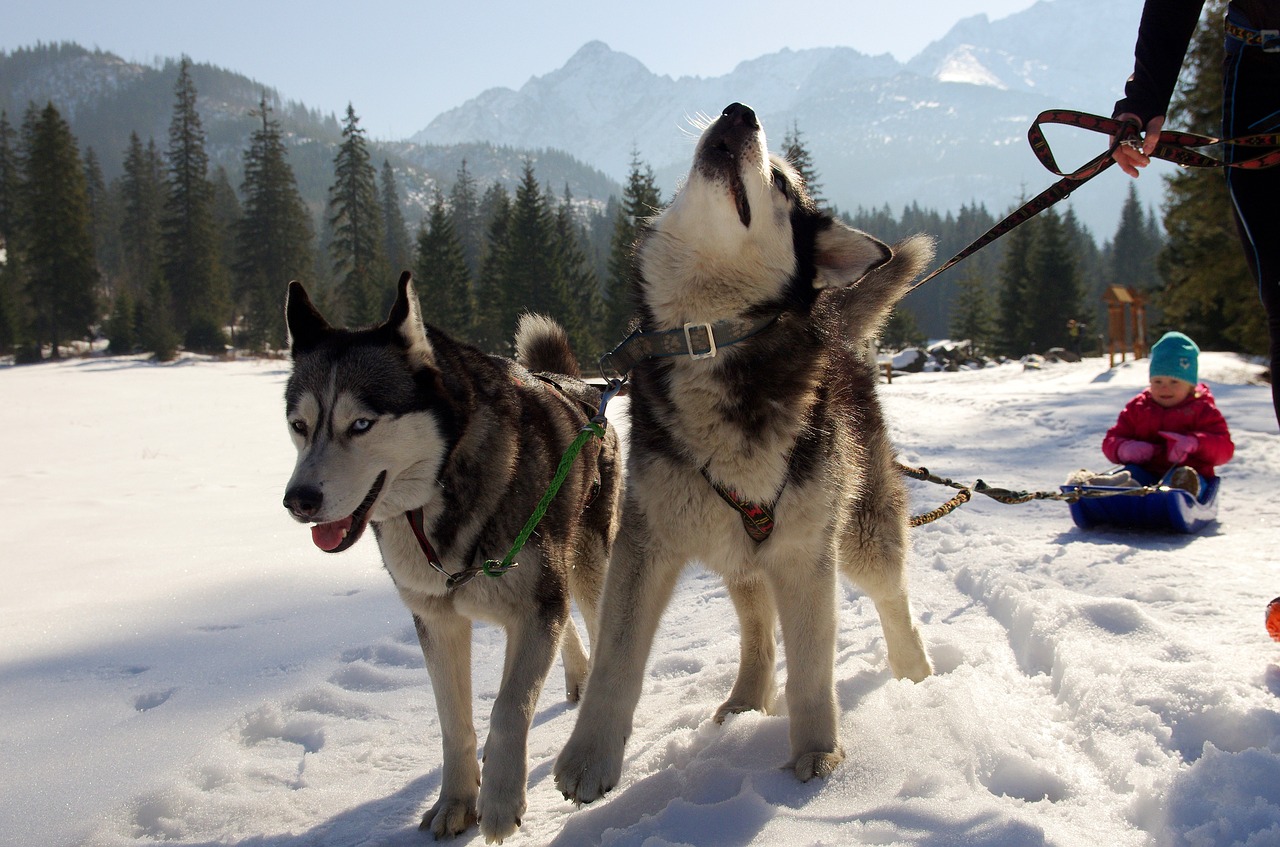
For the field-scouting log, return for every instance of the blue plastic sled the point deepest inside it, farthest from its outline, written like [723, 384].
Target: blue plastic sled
[1167, 510]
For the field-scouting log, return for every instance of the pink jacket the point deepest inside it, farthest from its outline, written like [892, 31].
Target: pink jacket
[1144, 419]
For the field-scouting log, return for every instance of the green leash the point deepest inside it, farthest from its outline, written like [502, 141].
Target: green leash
[594, 427]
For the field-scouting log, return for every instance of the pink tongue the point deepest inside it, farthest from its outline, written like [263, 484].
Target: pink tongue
[327, 536]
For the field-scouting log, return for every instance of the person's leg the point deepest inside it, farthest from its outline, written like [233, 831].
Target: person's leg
[1250, 106]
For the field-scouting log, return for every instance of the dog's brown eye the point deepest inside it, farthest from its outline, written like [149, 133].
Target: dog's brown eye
[780, 183]
[299, 427]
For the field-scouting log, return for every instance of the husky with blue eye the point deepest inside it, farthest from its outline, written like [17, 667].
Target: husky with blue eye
[445, 452]
[759, 450]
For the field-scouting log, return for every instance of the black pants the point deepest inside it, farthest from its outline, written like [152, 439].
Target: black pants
[1251, 105]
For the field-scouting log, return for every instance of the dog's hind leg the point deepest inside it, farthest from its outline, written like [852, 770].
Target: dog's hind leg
[576, 663]
[754, 689]
[874, 558]
[446, 645]
[807, 611]
[636, 591]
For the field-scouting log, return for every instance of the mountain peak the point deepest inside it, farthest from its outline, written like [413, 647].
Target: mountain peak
[595, 58]
[592, 51]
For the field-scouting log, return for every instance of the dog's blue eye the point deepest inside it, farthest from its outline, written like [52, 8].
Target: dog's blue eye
[361, 425]
[780, 182]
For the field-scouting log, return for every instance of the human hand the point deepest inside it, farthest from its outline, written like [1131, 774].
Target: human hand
[1132, 155]
[1135, 452]
[1179, 446]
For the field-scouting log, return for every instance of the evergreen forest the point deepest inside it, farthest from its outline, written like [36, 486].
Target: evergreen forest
[173, 253]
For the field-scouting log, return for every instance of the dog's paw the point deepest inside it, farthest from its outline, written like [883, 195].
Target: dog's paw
[584, 773]
[736, 707]
[449, 817]
[817, 764]
[913, 666]
[500, 816]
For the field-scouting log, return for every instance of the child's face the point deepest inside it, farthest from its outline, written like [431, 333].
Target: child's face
[1169, 391]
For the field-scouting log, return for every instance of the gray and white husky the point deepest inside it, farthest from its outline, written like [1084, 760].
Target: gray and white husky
[446, 451]
[760, 451]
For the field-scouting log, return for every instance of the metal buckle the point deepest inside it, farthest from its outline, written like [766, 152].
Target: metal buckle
[710, 352]
[1269, 40]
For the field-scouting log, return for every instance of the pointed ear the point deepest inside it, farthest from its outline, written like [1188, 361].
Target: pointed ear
[307, 327]
[844, 255]
[405, 319]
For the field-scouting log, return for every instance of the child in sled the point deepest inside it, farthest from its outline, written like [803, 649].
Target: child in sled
[1172, 433]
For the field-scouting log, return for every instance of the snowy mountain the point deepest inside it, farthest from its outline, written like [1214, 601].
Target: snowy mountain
[105, 98]
[944, 129]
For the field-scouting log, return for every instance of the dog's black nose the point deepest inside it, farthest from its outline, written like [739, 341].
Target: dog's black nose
[740, 114]
[304, 501]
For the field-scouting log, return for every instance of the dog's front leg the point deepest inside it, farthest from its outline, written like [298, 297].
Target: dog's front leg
[636, 590]
[532, 640]
[445, 637]
[807, 610]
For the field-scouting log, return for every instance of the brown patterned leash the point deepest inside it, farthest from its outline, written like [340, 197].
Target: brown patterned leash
[1172, 146]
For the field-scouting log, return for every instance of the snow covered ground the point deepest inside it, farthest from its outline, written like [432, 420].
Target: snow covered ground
[179, 663]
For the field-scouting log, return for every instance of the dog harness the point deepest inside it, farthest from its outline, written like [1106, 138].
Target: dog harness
[757, 518]
[451, 580]
[697, 341]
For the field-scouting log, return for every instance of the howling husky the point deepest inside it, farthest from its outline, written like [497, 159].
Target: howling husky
[758, 447]
[446, 451]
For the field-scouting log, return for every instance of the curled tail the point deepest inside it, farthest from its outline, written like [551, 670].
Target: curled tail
[542, 345]
[871, 298]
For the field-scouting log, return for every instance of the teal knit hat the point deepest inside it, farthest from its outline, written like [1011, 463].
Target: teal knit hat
[1177, 356]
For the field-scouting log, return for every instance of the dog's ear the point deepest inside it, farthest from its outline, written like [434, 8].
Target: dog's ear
[306, 326]
[405, 320]
[844, 255]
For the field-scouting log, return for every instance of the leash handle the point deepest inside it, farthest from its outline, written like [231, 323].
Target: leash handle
[1172, 146]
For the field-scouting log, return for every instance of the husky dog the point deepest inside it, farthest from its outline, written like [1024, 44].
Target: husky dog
[446, 451]
[759, 450]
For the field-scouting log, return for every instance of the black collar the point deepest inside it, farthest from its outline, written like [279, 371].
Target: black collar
[695, 340]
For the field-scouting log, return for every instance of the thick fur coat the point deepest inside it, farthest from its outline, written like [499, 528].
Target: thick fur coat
[445, 452]
[787, 419]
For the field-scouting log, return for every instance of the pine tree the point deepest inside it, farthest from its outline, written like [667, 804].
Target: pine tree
[56, 232]
[103, 214]
[1016, 298]
[11, 306]
[441, 275]
[797, 153]
[583, 313]
[192, 261]
[1209, 293]
[491, 287]
[1132, 254]
[641, 200]
[973, 317]
[464, 213]
[356, 218]
[901, 330]
[530, 273]
[273, 238]
[143, 287]
[1055, 292]
[395, 238]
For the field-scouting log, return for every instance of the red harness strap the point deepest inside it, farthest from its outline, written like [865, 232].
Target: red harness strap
[757, 518]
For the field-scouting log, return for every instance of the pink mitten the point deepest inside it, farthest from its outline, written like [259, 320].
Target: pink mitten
[1135, 452]
[1178, 446]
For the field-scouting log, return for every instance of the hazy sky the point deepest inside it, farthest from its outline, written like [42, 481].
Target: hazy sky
[401, 63]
